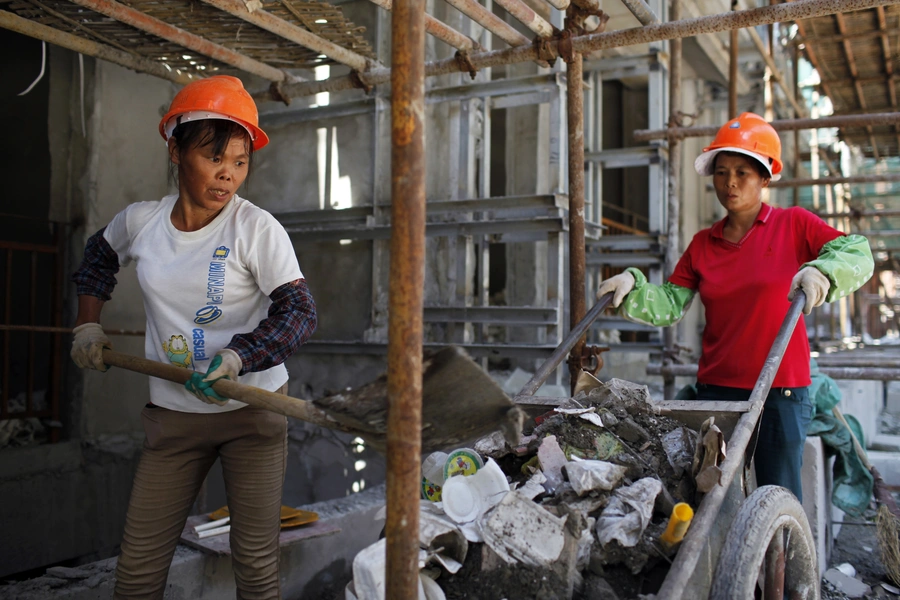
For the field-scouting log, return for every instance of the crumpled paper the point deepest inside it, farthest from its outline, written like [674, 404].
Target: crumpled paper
[589, 475]
[628, 513]
[709, 453]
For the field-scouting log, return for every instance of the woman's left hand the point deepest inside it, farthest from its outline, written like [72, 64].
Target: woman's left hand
[814, 284]
[226, 364]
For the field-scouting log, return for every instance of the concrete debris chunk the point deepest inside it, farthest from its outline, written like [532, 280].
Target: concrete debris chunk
[628, 513]
[518, 530]
[493, 445]
[68, 573]
[679, 447]
[850, 586]
[589, 475]
[708, 455]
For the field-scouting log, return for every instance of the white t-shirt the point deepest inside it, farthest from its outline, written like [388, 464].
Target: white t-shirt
[200, 288]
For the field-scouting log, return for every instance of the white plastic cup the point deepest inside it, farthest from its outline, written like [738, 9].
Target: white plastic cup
[433, 467]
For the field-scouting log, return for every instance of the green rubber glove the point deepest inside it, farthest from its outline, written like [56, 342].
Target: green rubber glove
[226, 364]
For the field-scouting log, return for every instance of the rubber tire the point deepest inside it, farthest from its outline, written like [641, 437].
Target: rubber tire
[767, 510]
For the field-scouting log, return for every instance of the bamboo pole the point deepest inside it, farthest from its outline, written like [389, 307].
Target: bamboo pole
[405, 299]
[288, 31]
[891, 118]
[792, 11]
[441, 31]
[176, 35]
[14, 22]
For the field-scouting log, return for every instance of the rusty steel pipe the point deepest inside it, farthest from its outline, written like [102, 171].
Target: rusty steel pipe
[176, 35]
[559, 4]
[862, 373]
[523, 13]
[892, 118]
[641, 11]
[478, 13]
[575, 126]
[673, 204]
[406, 299]
[14, 22]
[733, 74]
[801, 9]
[832, 180]
[282, 28]
[861, 214]
[441, 31]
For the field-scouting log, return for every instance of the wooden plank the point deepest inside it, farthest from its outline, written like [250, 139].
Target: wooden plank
[220, 545]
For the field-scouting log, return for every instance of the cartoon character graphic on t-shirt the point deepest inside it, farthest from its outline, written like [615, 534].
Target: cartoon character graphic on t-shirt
[177, 351]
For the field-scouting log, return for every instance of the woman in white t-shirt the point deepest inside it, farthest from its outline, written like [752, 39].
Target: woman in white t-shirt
[225, 298]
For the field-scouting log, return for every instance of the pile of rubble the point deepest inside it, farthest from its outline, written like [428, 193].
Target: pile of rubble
[576, 510]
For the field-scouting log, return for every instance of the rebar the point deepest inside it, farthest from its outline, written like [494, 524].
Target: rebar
[801, 9]
[405, 299]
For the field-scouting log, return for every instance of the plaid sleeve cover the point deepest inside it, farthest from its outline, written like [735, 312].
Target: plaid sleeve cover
[291, 321]
[97, 274]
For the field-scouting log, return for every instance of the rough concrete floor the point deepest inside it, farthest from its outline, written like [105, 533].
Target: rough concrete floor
[857, 544]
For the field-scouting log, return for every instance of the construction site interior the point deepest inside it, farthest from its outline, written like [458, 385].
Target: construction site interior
[510, 146]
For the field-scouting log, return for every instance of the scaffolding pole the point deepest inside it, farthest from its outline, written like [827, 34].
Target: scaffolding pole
[883, 178]
[441, 30]
[575, 122]
[839, 121]
[673, 202]
[801, 9]
[405, 299]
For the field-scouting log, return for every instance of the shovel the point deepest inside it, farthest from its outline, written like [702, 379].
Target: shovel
[460, 402]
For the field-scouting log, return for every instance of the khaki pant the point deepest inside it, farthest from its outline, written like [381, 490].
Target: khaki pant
[179, 450]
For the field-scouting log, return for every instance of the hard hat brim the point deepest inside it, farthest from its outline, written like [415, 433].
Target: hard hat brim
[705, 163]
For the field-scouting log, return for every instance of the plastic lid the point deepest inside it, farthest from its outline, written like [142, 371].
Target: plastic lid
[463, 461]
[459, 500]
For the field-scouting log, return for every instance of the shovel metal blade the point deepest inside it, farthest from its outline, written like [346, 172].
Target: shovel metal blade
[460, 403]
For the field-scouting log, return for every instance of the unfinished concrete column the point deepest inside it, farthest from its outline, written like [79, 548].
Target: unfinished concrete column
[407, 277]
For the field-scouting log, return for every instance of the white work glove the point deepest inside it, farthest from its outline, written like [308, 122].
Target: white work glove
[620, 285]
[814, 284]
[226, 364]
[88, 345]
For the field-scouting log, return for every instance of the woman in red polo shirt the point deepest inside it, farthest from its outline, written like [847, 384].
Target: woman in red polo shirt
[747, 268]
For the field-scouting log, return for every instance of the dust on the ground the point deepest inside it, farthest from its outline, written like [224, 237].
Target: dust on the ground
[857, 544]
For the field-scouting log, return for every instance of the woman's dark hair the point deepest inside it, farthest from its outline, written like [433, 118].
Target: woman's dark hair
[209, 132]
[760, 168]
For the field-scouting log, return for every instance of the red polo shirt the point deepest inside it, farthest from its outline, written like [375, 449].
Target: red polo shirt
[744, 290]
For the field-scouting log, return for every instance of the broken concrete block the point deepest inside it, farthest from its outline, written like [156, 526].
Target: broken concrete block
[630, 431]
[68, 573]
[519, 530]
[850, 586]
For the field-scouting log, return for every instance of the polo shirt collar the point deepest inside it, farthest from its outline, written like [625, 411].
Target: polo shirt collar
[764, 213]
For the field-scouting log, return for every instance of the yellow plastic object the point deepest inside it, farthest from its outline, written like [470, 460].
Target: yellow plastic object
[290, 517]
[678, 524]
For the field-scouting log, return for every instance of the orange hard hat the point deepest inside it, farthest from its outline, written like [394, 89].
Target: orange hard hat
[216, 97]
[748, 134]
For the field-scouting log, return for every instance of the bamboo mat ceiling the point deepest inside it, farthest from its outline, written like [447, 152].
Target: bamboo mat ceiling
[320, 18]
[856, 55]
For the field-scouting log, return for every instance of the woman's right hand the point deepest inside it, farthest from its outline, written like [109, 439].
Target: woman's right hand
[620, 286]
[88, 345]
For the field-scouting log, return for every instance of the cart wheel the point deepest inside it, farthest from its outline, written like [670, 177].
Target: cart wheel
[770, 535]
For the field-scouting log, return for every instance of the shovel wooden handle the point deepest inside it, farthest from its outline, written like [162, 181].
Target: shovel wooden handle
[278, 403]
